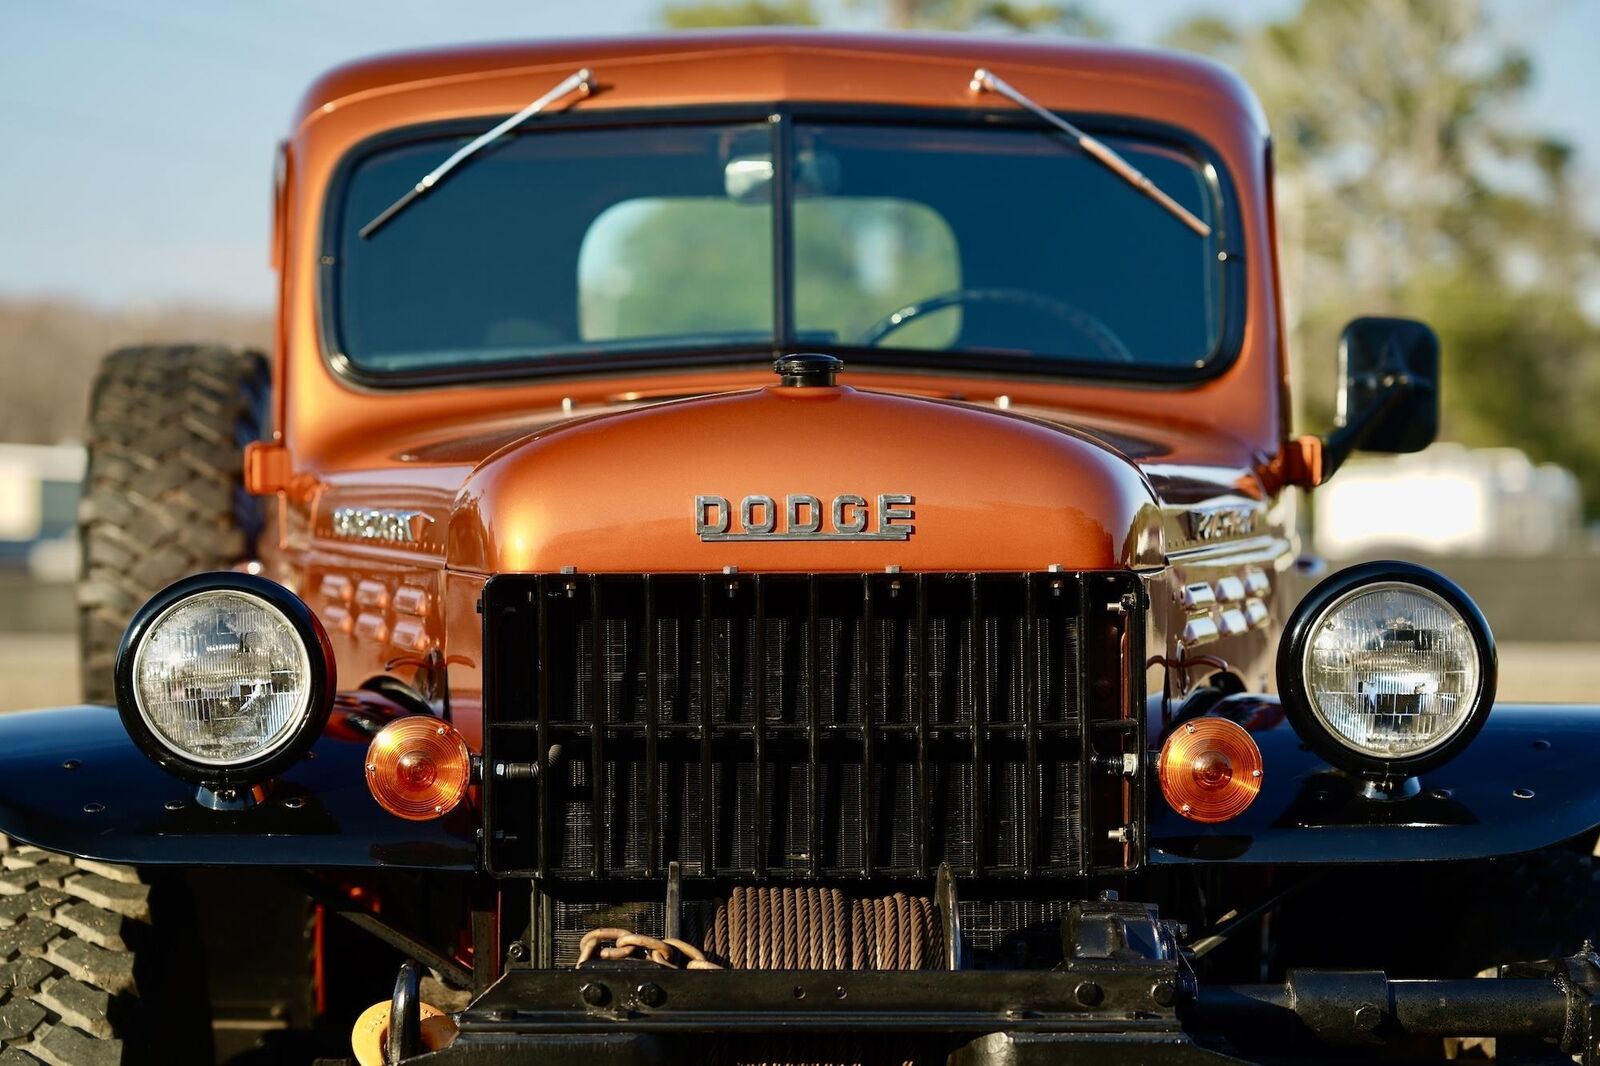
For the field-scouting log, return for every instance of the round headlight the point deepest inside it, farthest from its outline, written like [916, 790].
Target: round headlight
[224, 678]
[1387, 668]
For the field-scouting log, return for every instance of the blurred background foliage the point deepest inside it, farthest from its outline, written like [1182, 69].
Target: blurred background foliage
[1409, 183]
[1406, 185]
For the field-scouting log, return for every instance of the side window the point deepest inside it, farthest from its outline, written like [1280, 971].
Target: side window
[860, 259]
[676, 267]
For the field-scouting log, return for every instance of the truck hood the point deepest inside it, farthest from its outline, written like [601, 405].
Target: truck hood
[802, 479]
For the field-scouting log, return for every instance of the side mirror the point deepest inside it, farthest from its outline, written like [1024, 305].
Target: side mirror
[1389, 401]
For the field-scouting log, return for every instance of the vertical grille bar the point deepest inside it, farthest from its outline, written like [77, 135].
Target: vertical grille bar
[1133, 686]
[760, 710]
[708, 859]
[1032, 785]
[541, 594]
[869, 692]
[652, 704]
[813, 728]
[599, 711]
[978, 677]
[1086, 743]
[923, 814]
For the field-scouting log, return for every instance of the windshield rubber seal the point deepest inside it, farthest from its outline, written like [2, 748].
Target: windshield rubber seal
[1227, 223]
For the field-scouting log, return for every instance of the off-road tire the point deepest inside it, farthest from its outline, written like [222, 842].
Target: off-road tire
[69, 930]
[163, 494]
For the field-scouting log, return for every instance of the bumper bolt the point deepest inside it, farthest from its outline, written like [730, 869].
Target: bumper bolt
[1367, 1018]
[1165, 993]
[1089, 994]
[651, 994]
[516, 951]
[594, 993]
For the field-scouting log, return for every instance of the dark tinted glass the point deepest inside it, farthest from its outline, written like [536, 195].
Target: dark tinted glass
[596, 244]
[1002, 241]
[560, 242]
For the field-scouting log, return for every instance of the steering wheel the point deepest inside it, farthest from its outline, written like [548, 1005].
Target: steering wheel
[1098, 333]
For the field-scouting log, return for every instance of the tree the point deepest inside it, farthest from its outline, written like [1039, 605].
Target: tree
[1408, 185]
[717, 14]
[1071, 18]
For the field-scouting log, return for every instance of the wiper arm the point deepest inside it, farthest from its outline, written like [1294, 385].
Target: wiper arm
[987, 81]
[581, 82]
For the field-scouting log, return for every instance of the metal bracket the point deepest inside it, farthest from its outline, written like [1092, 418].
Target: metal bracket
[1579, 977]
[404, 1039]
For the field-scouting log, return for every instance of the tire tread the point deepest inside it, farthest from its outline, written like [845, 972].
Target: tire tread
[163, 493]
[63, 991]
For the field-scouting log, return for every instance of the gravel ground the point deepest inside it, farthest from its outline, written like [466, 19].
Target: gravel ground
[41, 670]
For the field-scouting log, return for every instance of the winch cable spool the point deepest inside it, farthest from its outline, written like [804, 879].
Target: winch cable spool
[810, 928]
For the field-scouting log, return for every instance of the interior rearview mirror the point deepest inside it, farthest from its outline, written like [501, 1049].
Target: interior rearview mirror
[747, 179]
[1389, 395]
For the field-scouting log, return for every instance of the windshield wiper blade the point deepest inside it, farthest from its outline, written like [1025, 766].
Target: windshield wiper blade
[581, 82]
[987, 81]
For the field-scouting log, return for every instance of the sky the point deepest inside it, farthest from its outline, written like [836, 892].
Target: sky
[137, 138]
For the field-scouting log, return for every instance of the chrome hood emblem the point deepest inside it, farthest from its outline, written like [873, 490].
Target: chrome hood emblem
[392, 527]
[804, 517]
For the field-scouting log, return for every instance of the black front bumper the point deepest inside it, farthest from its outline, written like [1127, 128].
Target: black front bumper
[1113, 1012]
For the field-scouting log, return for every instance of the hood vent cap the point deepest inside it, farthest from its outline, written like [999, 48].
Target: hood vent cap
[808, 369]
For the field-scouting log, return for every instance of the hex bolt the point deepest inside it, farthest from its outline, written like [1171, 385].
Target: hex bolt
[516, 950]
[1367, 1018]
[1165, 993]
[1089, 994]
[594, 993]
[651, 994]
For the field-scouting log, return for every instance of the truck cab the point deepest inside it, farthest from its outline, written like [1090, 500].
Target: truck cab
[797, 531]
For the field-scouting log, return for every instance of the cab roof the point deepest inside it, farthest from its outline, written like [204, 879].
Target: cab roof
[788, 64]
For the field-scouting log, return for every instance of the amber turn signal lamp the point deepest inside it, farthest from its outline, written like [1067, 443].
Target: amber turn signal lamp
[1210, 770]
[418, 768]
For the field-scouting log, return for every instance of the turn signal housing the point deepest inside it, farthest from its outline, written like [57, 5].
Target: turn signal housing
[1210, 770]
[419, 768]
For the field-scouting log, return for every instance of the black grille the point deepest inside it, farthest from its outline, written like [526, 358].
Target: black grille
[838, 725]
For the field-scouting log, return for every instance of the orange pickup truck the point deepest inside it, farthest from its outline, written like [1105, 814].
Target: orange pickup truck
[777, 547]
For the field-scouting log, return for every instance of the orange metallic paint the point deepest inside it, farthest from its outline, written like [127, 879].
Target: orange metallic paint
[617, 493]
[329, 424]
[593, 471]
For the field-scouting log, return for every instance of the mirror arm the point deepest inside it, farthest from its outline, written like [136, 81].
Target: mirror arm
[1337, 446]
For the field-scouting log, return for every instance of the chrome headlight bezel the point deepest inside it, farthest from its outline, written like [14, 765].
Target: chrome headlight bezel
[313, 717]
[1338, 590]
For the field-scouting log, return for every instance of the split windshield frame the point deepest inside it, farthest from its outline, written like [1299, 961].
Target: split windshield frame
[1229, 277]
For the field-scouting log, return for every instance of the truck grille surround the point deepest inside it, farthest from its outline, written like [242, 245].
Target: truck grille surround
[812, 726]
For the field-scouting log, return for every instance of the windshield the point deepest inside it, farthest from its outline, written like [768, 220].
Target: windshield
[993, 245]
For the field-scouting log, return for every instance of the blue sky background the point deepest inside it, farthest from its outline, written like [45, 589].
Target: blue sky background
[136, 138]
